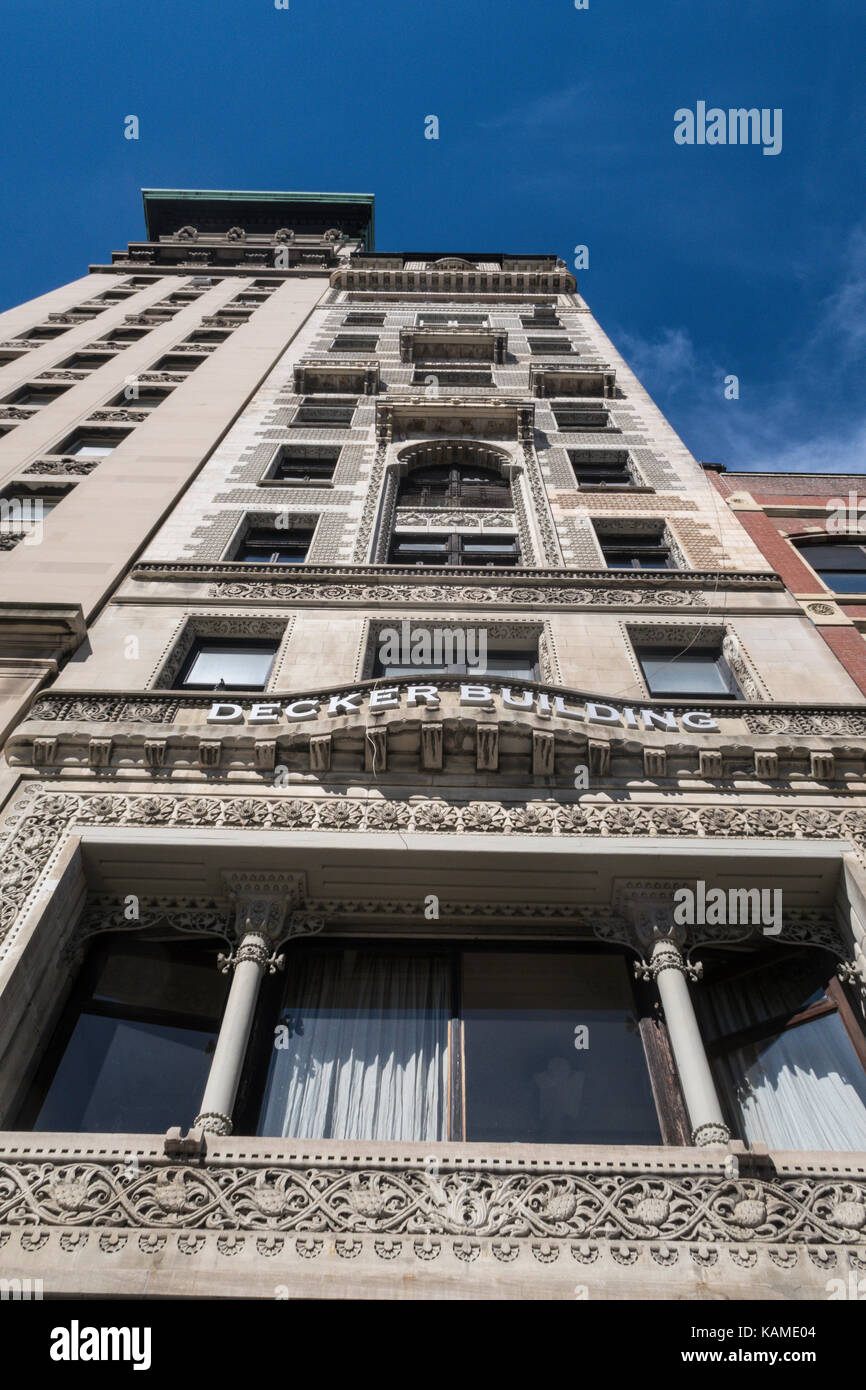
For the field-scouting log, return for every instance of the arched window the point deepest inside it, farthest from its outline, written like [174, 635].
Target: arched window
[841, 563]
[454, 485]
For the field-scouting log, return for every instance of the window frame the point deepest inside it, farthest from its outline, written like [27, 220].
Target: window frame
[664, 1083]
[643, 648]
[201, 640]
[455, 545]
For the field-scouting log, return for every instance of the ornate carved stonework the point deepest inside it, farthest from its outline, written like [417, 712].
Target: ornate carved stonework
[40, 820]
[399, 1200]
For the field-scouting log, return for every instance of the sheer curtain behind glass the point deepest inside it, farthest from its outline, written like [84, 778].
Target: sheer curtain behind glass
[801, 1088]
[367, 1048]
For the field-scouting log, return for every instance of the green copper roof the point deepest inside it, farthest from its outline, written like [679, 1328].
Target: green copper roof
[215, 210]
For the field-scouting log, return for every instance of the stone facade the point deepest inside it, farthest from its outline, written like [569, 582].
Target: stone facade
[554, 808]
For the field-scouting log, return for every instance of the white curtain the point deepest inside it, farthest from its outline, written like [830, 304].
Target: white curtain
[367, 1051]
[800, 1089]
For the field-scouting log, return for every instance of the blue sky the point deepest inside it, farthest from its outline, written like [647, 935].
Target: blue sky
[556, 129]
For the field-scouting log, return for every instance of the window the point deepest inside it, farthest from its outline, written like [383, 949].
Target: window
[253, 299]
[354, 342]
[185, 363]
[549, 347]
[454, 486]
[541, 317]
[786, 1049]
[37, 395]
[124, 335]
[696, 671]
[601, 470]
[451, 320]
[402, 1044]
[359, 318]
[133, 1048]
[86, 361]
[840, 564]
[578, 418]
[456, 548]
[335, 414]
[203, 282]
[275, 545]
[455, 653]
[635, 551]
[219, 664]
[95, 444]
[209, 335]
[146, 399]
[298, 465]
[49, 330]
[450, 376]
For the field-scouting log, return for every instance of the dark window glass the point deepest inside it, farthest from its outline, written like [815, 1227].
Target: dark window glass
[374, 1042]
[37, 395]
[354, 342]
[178, 364]
[448, 376]
[228, 665]
[460, 485]
[526, 1081]
[292, 466]
[549, 347]
[635, 552]
[455, 320]
[697, 671]
[275, 546]
[333, 414]
[841, 565]
[453, 549]
[516, 665]
[132, 1052]
[608, 471]
[578, 418]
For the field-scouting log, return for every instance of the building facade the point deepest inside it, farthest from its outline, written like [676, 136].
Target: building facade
[811, 528]
[433, 834]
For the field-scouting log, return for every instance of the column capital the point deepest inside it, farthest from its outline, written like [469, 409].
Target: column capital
[710, 1134]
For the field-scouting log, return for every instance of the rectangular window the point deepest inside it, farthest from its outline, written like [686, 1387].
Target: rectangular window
[579, 418]
[640, 551]
[275, 546]
[36, 395]
[335, 414]
[186, 363]
[450, 376]
[217, 664]
[86, 361]
[359, 318]
[354, 342]
[601, 470]
[95, 444]
[784, 1046]
[451, 320]
[401, 1044]
[450, 651]
[209, 335]
[132, 1052]
[296, 465]
[47, 330]
[700, 672]
[124, 335]
[549, 347]
[842, 566]
[456, 548]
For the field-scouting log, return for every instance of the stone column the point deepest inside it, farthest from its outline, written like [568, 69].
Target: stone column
[261, 904]
[249, 963]
[670, 971]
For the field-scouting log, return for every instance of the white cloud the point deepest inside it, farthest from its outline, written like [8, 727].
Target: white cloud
[809, 419]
